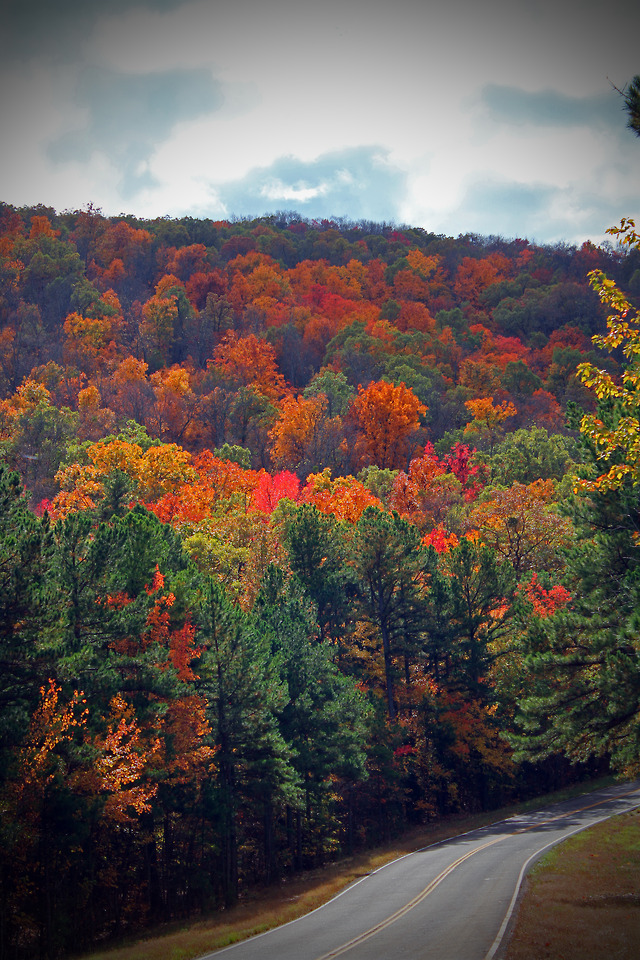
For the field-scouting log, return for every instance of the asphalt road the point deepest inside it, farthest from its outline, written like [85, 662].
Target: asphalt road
[449, 901]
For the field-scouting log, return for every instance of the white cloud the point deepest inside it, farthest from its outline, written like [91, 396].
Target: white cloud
[281, 192]
[455, 95]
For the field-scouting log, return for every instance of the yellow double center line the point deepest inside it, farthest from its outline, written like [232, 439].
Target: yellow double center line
[445, 873]
[408, 906]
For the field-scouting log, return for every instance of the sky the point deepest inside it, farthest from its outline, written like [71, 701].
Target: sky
[458, 116]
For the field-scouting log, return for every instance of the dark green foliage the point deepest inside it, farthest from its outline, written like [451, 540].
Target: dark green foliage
[89, 564]
[316, 547]
[52, 270]
[25, 555]
[118, 493]
[480, 585]
[358, 354]
[240, 681]
[324, 715]
[519, 380]
[387, 558]
[631, 95]
[585, 662]
[140, 542]
[324, 718]
[439, 629]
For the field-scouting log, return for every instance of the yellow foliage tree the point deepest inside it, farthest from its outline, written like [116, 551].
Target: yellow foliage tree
[162, 469]
[616, 443]
[487, 424]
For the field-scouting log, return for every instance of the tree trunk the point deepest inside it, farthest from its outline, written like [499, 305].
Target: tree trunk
[154, 897]
[269, 850]
[388, 670]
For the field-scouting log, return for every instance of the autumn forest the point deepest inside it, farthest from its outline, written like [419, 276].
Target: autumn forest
[310, 531]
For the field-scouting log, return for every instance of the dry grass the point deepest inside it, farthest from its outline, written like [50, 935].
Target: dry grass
[582, 901]
[267, 908]
[272, 906]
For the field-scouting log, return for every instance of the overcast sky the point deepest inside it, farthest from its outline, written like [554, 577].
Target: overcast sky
[458, 116]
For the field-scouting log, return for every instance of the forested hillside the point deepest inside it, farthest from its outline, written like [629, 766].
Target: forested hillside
[304, 538]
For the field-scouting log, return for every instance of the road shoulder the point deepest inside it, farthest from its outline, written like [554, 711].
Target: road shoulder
[583, 897]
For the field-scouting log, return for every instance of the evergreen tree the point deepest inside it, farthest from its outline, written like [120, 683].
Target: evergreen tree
[324, 719]
[481, 590]
[388, 559]
[585, 661]
[316, 546]
[239, 678]
[24, 557]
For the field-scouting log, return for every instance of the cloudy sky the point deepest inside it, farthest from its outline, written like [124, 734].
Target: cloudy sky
[458, 116]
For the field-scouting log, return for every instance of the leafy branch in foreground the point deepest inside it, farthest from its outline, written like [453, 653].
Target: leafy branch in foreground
[617, 441]
[631, 96]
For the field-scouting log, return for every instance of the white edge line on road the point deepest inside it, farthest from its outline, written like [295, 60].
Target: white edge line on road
[349, 888]
[216, 953]
[495, 946]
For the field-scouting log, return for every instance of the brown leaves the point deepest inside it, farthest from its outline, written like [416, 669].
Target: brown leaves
[523, 527]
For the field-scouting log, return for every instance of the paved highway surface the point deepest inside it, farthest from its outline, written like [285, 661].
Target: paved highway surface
[449, 901]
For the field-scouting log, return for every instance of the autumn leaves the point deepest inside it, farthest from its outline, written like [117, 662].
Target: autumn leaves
[300, 532]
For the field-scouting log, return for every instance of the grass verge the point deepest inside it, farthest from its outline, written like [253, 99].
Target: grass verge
[582, 900]
[272, 906]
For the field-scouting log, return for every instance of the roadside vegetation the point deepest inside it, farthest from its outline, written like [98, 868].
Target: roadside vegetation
[582, 900]
[271, 906]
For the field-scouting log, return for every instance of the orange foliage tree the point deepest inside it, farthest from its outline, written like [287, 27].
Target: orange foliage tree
[545, 602]
[416, 281]
[474, 275]
[94, 420]
[121, 242]
[124, 755]
[297, 436]
[427, 494]
[251, 362]
[128, 392]
[345, 498]
[159, 316]
[266, 283]
[175, 413]
[387, 418]
[183, 262]
[53, 723]
[92, 339]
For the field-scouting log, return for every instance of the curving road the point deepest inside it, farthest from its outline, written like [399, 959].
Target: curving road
[449, 901]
